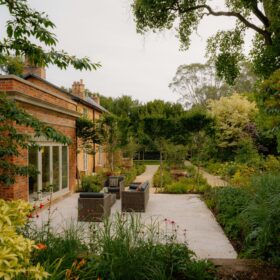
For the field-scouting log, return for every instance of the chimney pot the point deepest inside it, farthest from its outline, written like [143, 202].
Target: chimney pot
[78, 89]
[30, 68]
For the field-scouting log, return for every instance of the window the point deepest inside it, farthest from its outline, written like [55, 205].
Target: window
[85, 112]
[52, 163]
[100, 151]
[85, 158]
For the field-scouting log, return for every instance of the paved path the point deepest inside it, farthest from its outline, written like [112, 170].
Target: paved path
[203, 234]
[213, 181]
[148, 176]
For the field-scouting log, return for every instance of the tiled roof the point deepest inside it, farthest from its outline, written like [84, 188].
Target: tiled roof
[87, 101]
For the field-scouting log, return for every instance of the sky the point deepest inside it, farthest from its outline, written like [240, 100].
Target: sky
[132, 64]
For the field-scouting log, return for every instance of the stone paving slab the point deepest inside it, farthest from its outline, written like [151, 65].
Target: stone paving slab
[203, 234]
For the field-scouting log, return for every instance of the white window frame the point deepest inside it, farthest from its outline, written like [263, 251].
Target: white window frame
[85, 160]
[39, 167]
[100, 157]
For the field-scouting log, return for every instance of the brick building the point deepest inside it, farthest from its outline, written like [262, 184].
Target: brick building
[55, 162]
[90, 108]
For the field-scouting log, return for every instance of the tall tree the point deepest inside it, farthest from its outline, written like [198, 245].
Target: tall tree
[197, 83]
[261, 16]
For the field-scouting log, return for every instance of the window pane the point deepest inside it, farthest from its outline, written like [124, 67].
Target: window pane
[56, 170]
[33, 179]
[45, 169]
[64, 167]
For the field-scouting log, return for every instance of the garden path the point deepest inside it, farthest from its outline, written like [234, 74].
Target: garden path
[212, 180]
[190, 214]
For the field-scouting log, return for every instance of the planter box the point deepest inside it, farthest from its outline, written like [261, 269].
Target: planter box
[94, 207]
[136, 200]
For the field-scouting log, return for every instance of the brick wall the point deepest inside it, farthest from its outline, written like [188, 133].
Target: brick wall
[60, 121]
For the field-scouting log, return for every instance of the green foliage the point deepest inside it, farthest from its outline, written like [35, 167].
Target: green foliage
[140, 168]
[62, 249]
[226, 47]
[232, 114]
[228, 203]
[250, 216]
[188, 185]
[268, 99]
[12, 140]
[26, 26]
[110, 136]
[166, 179]
[92, 183]
[11, 65]
[125, 248]
[15, 249]
[88, 132]
[262, 220]
[131, 173]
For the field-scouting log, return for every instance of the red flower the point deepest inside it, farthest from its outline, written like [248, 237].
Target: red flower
[29, 216]
[41, 205]
[41, 246]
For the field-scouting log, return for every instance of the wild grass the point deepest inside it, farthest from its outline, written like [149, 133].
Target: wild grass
[123, 247]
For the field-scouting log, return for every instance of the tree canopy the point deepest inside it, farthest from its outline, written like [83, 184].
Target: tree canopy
[225, 48]
[26, 26]
[196, 83]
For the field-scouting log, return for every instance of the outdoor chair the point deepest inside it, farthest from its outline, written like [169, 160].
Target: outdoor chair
[94, 207]
[136, 197]
[115, 185]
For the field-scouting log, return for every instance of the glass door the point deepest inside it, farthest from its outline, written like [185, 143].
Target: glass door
[53, 165]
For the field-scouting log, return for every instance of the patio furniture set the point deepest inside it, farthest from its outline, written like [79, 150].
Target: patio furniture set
[94, 207]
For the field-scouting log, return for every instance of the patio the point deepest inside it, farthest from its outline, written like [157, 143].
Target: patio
[188, 212]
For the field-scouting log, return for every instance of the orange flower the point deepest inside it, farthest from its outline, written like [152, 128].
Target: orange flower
[81, 263]
[41, 246]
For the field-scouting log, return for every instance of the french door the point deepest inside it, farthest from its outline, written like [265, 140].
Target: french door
[52, 163]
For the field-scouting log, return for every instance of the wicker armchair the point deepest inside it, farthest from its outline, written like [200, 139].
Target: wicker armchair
[115, 185]
[94, 207]
[136, 197]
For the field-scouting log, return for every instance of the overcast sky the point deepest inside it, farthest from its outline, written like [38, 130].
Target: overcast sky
[132, 64]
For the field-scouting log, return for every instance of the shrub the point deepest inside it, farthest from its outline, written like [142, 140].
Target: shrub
[92, 183]
[15, 249]
[227, 203]
[140, 168]
[261, 219]
[271, 164]
[166, 178]
[187, 185]
[125, 248]
[62, 248]
[251, 216]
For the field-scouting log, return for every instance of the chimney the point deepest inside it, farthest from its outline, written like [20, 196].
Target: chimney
[96, 98]
[30, 68]
[78, 89]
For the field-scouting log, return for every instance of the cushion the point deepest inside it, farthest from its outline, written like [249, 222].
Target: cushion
[114, 189]
[91, 195]
[113, 181]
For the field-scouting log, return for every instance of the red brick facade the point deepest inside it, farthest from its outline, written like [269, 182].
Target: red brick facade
[50, 105]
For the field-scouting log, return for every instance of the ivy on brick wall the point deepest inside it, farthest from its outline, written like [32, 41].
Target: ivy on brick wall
[12, 140]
